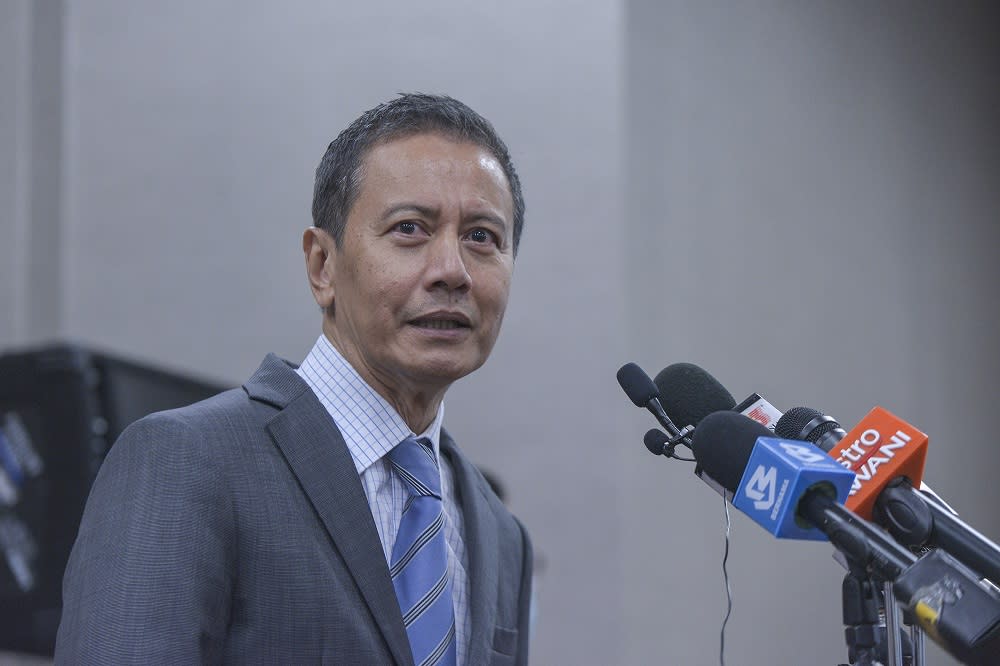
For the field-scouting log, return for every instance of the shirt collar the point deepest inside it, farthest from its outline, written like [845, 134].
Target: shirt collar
[371, 427]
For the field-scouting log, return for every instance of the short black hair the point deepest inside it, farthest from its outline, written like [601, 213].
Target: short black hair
[338, 176]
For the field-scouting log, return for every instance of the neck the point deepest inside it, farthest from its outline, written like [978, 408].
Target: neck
[418, 413]
[417, 404]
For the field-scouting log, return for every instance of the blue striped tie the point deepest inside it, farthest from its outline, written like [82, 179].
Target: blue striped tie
[419, 563]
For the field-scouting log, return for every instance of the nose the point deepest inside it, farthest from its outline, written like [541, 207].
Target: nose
[446, 267]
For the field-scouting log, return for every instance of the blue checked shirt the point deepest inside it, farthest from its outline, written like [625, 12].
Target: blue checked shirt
[371, 428]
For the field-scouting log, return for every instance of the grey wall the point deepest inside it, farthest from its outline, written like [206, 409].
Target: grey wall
[13, 19]
[798, 197]
[31, 114]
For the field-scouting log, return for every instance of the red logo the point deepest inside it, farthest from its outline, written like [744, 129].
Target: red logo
[760, 415]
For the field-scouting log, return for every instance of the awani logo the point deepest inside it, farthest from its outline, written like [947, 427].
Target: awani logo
[761, 487]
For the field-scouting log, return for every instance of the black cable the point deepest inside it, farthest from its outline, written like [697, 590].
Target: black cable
[729, 592]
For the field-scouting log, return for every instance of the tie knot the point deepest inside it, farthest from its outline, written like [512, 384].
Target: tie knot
[414, 461]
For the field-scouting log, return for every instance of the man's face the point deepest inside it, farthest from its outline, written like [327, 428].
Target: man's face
[420, 282]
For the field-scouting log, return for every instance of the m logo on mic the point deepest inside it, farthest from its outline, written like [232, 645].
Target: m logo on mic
[782, 472]
[761, 486]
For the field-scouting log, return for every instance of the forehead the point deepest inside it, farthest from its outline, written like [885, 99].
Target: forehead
[433, 160]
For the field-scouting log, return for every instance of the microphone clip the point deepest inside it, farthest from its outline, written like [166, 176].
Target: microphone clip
[682, 437]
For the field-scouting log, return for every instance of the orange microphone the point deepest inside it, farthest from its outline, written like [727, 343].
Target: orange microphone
[882, 447]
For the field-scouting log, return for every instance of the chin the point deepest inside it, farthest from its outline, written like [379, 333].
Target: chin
[446, 370]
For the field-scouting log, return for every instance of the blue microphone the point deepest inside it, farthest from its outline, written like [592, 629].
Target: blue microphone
[767, 476]
[778, 474]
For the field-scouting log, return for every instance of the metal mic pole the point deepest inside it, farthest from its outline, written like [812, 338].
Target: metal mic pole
[892, 627]
[917, 638]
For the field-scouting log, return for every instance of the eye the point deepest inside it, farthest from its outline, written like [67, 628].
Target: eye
[480, 235]
[407, 227]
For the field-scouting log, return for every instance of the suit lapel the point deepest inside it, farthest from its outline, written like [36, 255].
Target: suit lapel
[320, 460]
[483, 548]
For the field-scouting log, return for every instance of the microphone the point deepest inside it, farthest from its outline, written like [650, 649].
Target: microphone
[641, 390]
[810, 425]
[789, 487]
[656, 441]
[689, 394]
[880, 448]
[913, 517]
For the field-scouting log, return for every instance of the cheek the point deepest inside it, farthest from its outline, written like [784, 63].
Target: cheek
[377, 278]
[388, 299]
[495, 300]
[389, 290]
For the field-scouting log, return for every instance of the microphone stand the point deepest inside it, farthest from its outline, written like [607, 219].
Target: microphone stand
[893, 629]
[862, 628]
[871, 622]
[917, 639]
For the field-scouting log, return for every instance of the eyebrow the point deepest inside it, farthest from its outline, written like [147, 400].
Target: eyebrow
[410, 207]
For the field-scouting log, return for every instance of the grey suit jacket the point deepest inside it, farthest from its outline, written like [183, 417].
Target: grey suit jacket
[236, 530]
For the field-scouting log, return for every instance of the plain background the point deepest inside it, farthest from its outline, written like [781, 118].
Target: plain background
[799, 197]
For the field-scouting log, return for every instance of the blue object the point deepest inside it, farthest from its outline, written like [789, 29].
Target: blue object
[419, 563]
[778, 474]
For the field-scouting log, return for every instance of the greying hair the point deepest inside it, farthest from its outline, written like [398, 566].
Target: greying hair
[338, 176]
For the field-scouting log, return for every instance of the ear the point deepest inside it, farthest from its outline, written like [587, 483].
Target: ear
[320, 252]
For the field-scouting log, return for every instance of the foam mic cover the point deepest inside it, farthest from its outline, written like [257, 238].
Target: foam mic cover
[722, 444]
[637, 385]
[656, 441]
[689, 393]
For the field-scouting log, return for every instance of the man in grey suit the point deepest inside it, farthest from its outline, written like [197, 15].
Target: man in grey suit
[259, 526]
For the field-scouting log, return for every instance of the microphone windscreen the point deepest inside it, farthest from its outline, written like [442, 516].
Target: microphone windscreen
[689, 394]
[722, 444]
[637, 385]
[655, 440]
[792, 424]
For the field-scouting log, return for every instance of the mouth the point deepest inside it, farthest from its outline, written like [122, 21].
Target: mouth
[442, 321]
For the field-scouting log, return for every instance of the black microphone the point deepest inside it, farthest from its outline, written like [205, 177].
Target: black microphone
[641, 390]
[689, 393]
[656, 441]
[810, 425]
[914, 518]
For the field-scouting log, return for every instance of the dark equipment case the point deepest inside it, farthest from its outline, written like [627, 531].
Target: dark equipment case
[61, 409]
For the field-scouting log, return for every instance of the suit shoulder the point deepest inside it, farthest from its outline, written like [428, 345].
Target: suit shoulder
[228, 410]
[204, 430]
[272, 387]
